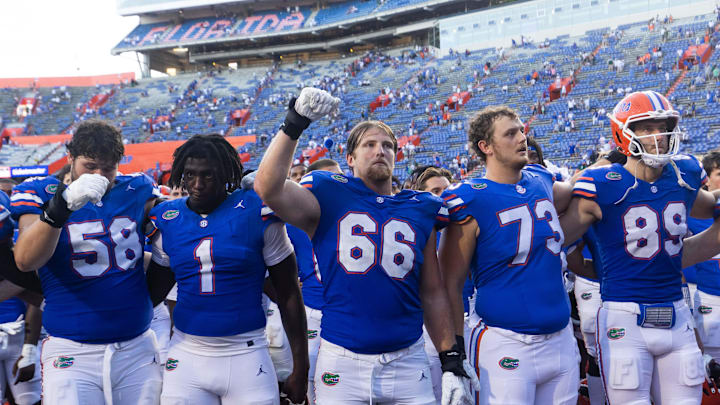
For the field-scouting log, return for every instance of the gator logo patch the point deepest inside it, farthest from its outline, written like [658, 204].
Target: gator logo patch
[341, 179]
[616, 333]
[51, 188]
[613, 176]
[170, 214]
[312, 333]
[586, 296]
[479, 186]
[704, 310]
[171, 364]
[63, 362]
[508, 363]
[330, 379]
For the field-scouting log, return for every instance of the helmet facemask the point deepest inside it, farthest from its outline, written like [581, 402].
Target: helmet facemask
[635, 146]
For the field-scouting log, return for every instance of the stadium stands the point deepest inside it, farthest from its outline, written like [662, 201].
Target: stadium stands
[602, 64]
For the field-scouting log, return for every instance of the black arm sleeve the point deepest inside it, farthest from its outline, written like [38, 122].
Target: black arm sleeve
[9, 271]
[160, 280]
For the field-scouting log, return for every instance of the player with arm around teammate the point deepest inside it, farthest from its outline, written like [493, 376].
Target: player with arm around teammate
[376, 255]
[218, 242]
[87, 241]
[646, 342]
[524, 350]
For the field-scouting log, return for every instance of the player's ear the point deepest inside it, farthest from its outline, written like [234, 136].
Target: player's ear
[484, 146]
[350, 159]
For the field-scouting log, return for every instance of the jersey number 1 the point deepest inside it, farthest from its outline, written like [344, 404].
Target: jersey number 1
[203, 254]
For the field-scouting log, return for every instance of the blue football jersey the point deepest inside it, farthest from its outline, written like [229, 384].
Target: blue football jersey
[11, 309]
[708, 272]
[516, 267]
[640, 236]
[311, 286]
[94, 284]
[7, 224]
[218, 263]
[369, 249]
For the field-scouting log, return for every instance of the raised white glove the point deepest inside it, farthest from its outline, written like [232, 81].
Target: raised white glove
[29, 356]
[314, 104]
[87, 188]
[454, 391]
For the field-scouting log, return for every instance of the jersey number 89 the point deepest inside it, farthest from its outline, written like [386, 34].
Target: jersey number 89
[642, 230]
[357, 253]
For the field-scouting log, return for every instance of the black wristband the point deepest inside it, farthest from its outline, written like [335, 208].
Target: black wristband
[294, 123]
[55, 211]
[460, 342]
[452, 361]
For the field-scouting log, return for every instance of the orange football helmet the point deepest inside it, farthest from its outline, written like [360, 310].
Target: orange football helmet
[639, 106]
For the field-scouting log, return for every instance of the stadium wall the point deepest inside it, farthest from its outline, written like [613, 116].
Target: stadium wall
[542, 19]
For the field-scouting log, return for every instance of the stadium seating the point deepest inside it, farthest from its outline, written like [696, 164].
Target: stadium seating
[420, 84]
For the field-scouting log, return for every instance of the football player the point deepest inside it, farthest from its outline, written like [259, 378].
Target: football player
[377, 261]
[706, 298]
[87, 242]
[638, 211]
[524, 349]
[19, 361]
[218, 242]
[310, 279]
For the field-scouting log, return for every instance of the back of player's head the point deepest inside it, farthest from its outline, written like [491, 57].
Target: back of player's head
[360, 129]
[96, 139]
[482, 126]
[534, 146]
[217, 151]
[429, 173]
[323, 164]
[711, 161]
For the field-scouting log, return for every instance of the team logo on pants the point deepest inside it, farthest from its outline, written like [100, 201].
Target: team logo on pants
[330, 379]
[586, 296]
[312, 333]
[508, 363]
[171, 364]
[704, 310]
[616, 333]
[63, 362]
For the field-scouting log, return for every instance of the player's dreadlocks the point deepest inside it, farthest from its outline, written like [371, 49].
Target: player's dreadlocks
[217, 151]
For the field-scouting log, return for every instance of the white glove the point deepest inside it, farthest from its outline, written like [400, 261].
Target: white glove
[314, 104]
[248, 181]
[454, 391]
[88, 187]
[29, 356]
[473, 381]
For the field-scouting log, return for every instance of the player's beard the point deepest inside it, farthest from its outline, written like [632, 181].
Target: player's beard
[378, 173]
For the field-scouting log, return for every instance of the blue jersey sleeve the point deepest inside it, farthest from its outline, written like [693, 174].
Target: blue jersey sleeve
[458, 199]
[28, 197]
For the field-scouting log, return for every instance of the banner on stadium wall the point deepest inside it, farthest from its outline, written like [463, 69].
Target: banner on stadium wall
[25, 171]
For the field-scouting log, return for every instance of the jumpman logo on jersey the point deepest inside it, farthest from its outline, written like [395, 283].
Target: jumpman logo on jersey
[240, 204]
[130, 188]
[413, 198]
